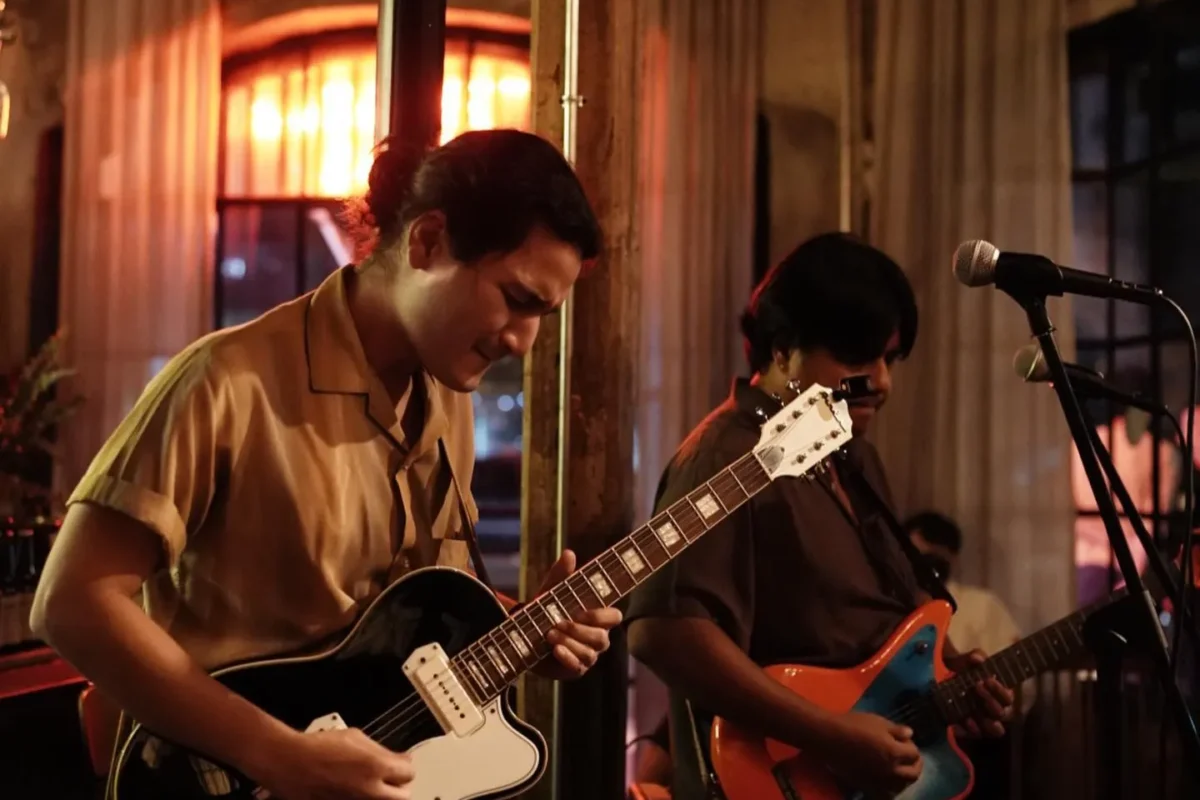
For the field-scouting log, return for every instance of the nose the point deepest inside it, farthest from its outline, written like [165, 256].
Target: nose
[519, 335]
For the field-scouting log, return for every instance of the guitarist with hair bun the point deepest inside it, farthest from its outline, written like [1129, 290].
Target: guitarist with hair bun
[279, 477]
[808, 572]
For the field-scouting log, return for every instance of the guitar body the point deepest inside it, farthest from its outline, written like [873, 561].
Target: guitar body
[750, 767]
[360, 680]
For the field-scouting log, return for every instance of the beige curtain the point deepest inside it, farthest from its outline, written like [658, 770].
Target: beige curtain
[141, 109]
[971, 133]
[696, 202]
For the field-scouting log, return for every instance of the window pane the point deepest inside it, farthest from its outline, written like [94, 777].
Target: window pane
[1089, 117]
[1132, 262]
[1174, 390]
[1094, 358]
[1136, 94]
[1091, 253]
[303, 124]
[1185, 94]
[1178, 220]
[327, 246]
[496, 485]
[1131, 445]
[258, 260]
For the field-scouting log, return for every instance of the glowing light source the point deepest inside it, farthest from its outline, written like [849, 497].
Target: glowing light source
[305, 127]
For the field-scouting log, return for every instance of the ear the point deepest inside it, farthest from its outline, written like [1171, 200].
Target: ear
[783, 360]
[426, 240]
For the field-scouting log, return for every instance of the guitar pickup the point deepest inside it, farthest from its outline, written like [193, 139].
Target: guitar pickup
[429, 671]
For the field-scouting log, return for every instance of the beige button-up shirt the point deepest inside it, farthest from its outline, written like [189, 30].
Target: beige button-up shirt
[271, 461]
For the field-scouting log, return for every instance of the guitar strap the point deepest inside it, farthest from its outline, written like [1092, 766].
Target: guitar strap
[926, 577]
[468, 525]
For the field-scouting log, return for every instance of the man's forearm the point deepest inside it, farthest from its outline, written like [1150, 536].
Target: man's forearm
[111, 641]
[697, 658]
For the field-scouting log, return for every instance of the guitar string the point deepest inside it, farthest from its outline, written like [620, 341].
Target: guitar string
[403, 714]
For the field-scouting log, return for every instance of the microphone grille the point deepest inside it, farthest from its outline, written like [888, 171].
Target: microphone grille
[975, 263]
[1029, 364]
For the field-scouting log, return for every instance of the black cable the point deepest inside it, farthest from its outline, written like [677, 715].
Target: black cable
[1185, 566]
[1190, 496]
[644, 737]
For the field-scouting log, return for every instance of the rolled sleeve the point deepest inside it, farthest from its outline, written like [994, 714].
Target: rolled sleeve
[714, 577]
[163, 463]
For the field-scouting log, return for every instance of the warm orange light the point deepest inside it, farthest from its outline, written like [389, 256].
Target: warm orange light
[294, 130]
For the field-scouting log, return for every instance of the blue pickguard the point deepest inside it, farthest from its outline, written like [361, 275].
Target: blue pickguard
[909, 674]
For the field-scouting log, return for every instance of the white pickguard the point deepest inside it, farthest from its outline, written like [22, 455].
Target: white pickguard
[493, 758]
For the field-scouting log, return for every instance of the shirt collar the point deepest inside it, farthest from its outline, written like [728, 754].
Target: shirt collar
[337, 364]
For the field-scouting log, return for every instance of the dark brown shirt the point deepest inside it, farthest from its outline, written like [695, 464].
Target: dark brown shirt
[789, 576]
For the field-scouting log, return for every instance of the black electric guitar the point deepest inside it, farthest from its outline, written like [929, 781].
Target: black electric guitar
[427, 667]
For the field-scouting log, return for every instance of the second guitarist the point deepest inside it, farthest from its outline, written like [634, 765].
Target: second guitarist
[806, 572]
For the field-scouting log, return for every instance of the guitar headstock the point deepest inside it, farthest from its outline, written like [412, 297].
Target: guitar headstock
[803, 433]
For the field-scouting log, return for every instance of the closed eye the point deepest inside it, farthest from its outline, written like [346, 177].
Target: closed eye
[521, 299]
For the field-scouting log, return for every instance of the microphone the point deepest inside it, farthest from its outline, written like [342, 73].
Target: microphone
[1024, 275]
[1030, 365]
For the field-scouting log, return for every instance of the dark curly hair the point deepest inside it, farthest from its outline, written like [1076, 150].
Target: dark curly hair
[494, 186]
[834, 292]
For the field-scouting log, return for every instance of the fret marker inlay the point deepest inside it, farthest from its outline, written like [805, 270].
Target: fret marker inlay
[707, 506]
[478, 673]
[669, 534]
[555, 612]
[500, 663]
[519, 642]
[600, 584]
[632, 560]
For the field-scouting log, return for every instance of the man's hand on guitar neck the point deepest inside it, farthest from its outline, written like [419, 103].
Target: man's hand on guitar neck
[995, 700]
[577, 643]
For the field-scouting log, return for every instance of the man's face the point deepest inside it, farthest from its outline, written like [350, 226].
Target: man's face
[461, 317]
[942, 558]
[820, 366]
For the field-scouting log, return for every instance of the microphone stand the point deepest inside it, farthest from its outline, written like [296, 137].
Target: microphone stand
[1129, 624]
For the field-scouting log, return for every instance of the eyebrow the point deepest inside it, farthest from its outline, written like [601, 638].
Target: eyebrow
[536, 300]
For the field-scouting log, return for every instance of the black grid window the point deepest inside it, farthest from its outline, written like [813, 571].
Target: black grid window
[1135, 120]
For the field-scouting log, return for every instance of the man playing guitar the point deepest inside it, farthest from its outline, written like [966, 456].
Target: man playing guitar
[806, 572]
[276, 476]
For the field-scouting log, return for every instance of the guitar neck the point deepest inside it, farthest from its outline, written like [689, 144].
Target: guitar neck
[493, 662]
[1039, 652]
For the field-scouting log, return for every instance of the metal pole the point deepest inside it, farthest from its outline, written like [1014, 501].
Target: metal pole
[408, 71]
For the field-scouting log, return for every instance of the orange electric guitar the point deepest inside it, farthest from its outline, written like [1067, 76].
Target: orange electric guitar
[905, 681]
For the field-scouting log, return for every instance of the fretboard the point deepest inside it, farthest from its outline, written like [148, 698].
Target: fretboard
[1050, 647]
[493, 662]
